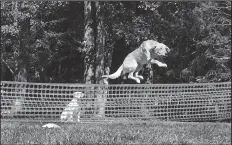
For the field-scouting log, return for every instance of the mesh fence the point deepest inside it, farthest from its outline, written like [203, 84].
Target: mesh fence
[140, 102]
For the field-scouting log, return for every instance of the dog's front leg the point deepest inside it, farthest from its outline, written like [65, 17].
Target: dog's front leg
[130, 76]
[71, 117]
[160, 64]
[78, 116]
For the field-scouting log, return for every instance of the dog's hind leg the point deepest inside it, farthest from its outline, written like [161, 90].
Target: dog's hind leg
[131, 76]
[138, 76]
[139, 67]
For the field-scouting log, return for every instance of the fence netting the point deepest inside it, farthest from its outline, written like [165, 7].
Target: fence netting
[141, 102]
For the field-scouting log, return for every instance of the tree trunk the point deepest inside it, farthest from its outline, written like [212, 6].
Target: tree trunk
[100, 45]
[21, 69]
[148, 71]
[100, 59]
[89, 40]
[95, 47]
[19, 98]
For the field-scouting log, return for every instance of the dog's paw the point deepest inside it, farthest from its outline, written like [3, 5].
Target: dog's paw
[138, 80]
[163, 65]
[140, 77]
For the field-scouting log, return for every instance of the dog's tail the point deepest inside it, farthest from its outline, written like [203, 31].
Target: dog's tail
[114, 75]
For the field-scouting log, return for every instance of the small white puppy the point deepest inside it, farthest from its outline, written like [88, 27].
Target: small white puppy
[72, 109]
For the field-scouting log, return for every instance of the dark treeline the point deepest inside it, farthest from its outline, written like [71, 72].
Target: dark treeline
[51, 41]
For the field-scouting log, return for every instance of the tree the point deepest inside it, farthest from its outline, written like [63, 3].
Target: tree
[213, 49]
[89, 40]
[51, 35]
[95, 47]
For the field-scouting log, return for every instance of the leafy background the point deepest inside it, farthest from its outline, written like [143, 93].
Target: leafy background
[47, 39]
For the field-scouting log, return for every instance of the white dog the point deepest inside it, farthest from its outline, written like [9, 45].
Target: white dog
[135, 60]
[72, 109]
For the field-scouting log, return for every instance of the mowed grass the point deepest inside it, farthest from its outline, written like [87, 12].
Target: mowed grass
[147, 133]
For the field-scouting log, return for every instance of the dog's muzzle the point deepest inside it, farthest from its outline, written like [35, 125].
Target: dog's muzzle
[167, 52]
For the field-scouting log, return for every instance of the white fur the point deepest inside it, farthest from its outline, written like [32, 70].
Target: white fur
[72, 109]
[160, 64]
[135, 60]
[51, 125]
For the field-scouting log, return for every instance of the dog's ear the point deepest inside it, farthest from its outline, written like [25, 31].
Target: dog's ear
[143, 48]
[153, 49]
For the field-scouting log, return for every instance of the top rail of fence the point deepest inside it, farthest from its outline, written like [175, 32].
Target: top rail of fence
[119, 85]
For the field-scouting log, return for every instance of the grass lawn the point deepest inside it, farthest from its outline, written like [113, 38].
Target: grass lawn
[96, 133]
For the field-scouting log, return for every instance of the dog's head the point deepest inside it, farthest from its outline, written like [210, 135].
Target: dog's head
[160, 49]
[78, 95]
[155, 48]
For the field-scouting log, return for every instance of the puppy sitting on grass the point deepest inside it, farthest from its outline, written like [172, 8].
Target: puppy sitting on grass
[72, 110]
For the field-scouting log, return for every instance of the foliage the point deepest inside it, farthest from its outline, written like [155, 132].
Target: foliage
[197, 32]
[52, 40]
